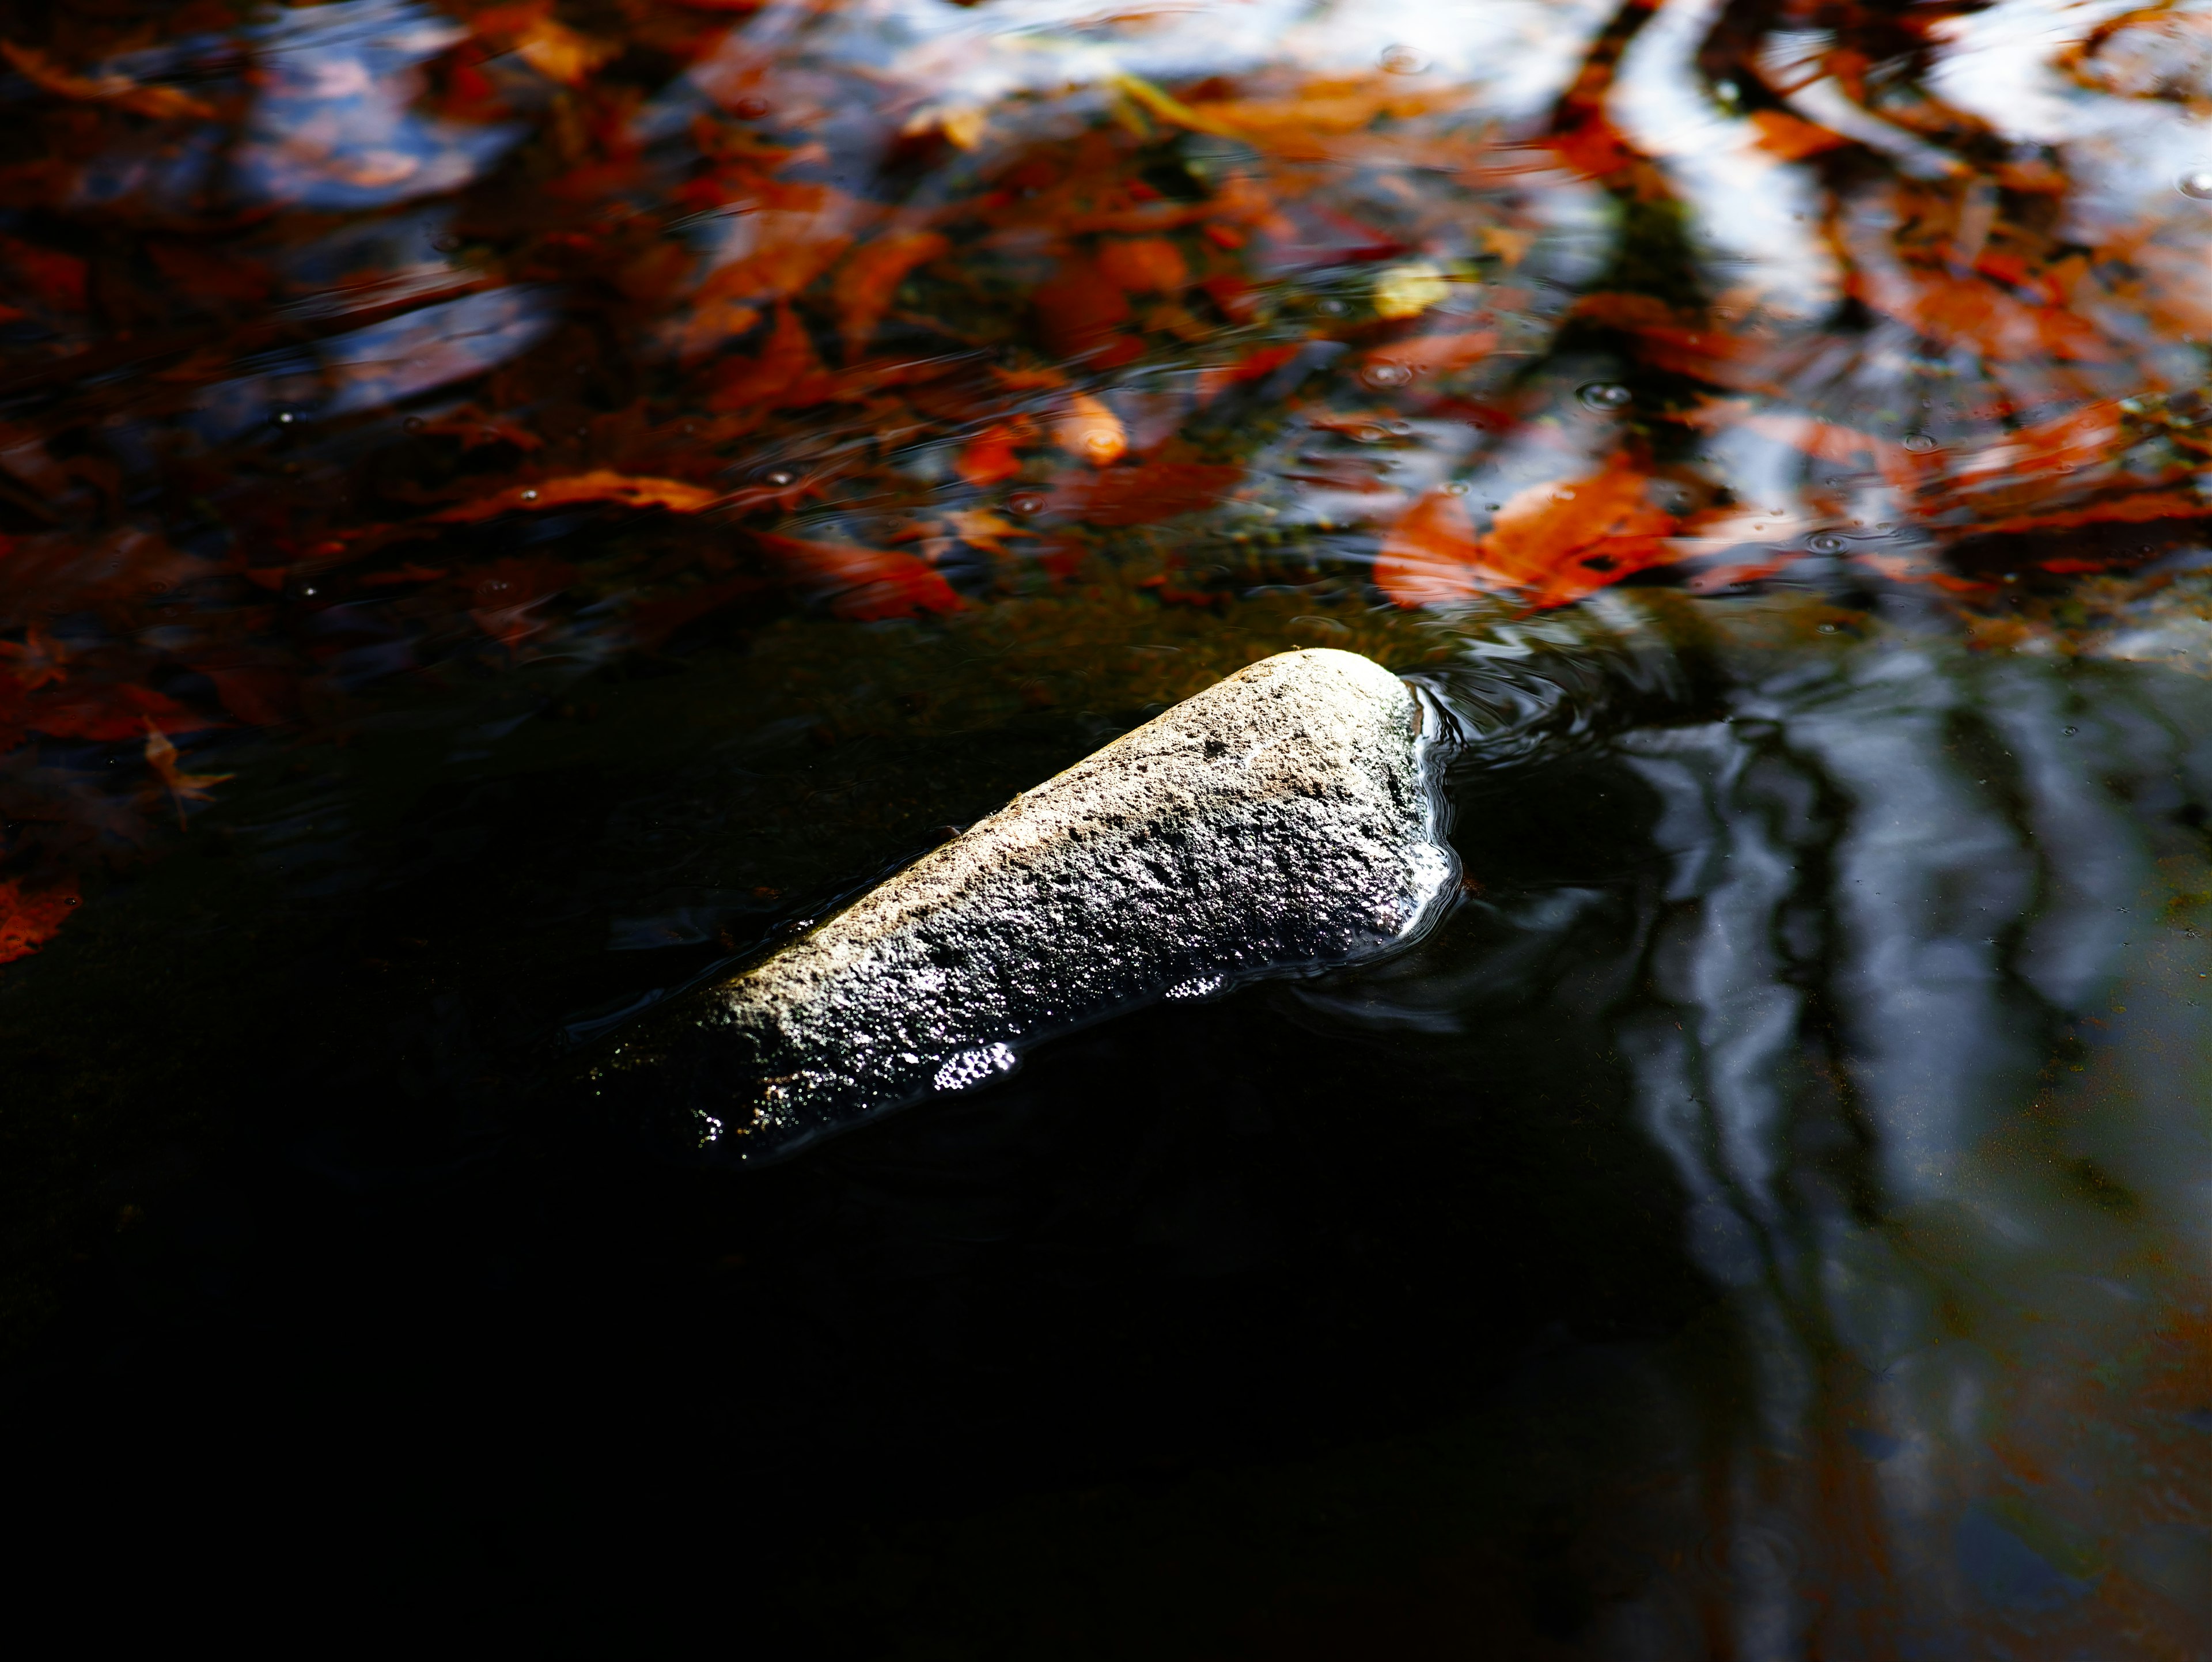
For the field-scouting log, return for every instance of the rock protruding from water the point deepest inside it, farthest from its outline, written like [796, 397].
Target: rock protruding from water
[1282, 819]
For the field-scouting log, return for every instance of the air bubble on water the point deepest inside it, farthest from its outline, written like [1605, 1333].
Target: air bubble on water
[965, 1068]
[1331, 307]
[1026, 501]
[1370, 434]
[1403, 60]
[414, 424]
[781, 476]
[1385, 372]
[1826, 629]
[1825, 542]
[1605, 395]
[530, 495]
[2069, 731]
[1919, 443]
[2197, 183]
[1456, 488]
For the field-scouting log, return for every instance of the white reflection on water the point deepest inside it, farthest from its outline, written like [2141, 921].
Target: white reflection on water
[1918, 1013]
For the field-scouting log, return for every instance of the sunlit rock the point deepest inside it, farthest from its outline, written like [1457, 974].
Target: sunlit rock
[1283, 819]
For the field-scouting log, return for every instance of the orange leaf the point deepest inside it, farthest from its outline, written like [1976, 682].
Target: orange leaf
[1567, 539]
[861, 583]
[28, 919]
[600, 485]
[1792, 138]
[864, 287]
[1429, 557]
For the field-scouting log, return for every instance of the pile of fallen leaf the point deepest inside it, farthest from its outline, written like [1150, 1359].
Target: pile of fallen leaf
[374, 345]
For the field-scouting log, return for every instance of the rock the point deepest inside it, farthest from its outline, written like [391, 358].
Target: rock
[1283, 819]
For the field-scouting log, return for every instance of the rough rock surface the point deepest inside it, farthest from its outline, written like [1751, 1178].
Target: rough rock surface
[1283, 819]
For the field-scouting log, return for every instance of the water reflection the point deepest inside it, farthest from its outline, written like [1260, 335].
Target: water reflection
[1916, 1010]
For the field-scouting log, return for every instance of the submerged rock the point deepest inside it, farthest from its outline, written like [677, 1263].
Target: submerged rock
[1283, 819]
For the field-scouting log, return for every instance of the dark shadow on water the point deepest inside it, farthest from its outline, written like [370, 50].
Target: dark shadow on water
[424, 1342]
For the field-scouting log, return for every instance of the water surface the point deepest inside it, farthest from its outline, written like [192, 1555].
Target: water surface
[506, 512]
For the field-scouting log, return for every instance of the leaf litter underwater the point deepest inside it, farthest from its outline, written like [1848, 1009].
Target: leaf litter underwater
[507, 514]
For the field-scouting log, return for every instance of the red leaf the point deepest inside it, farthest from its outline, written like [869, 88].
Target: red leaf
[860, 583]
[1145, 495]
[110, 715]
[989, 457]
[1079, 310]
[28, 919]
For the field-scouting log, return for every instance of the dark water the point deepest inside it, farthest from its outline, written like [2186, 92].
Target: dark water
[505, 514]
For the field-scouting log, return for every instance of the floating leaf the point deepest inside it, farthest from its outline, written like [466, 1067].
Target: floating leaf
[860, 583]
[29, 917]
[600, 486]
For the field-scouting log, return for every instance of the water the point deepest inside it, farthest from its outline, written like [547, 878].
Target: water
[508, 514]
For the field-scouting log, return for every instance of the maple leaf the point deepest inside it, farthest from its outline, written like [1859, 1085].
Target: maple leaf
[30, 917]
[865, 584]
[1552, 543]
[600, 485]
[864, 285]
[1561, 541]
[1429, 557]
[161, 757]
